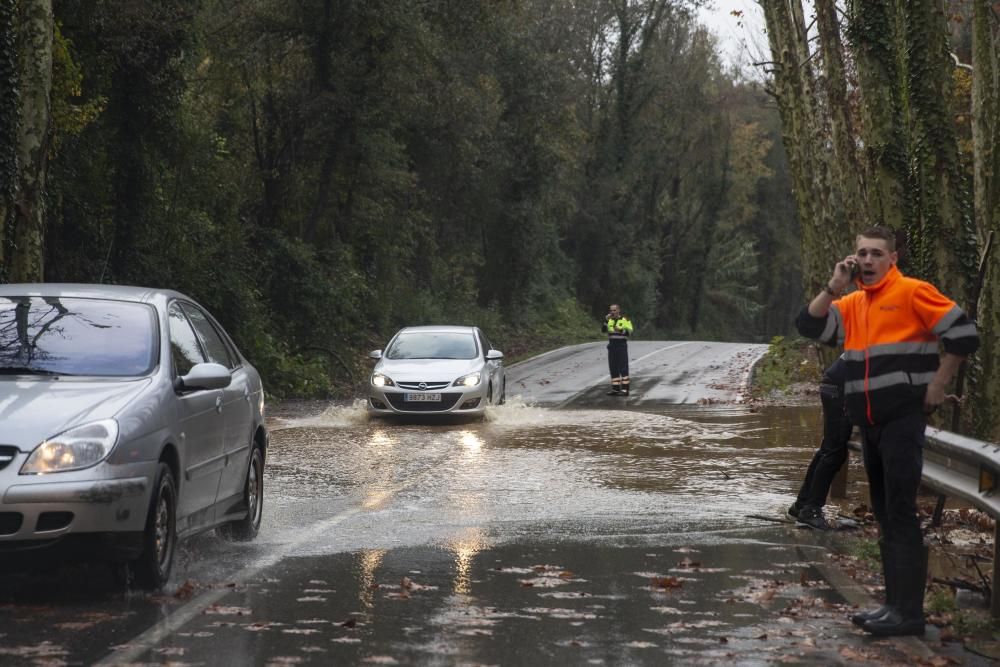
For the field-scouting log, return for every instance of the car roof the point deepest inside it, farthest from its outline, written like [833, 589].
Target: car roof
[91, 291]
[443, 328]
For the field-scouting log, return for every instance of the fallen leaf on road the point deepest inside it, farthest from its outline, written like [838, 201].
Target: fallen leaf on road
[665, 582]
[185, 590]
[227, 611]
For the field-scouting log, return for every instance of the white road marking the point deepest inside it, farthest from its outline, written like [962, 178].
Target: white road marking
[149, 639]
[604, 376]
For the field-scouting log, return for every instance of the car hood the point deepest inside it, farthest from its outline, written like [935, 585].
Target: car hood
[427, 370]
[32, 410]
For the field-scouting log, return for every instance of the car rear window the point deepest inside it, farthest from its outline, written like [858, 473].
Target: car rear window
[425, 345]
[74, 336]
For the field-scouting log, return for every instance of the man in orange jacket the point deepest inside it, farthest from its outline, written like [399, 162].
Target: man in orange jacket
[891, 329]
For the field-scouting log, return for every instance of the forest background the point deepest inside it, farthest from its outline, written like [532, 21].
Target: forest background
[321, 172]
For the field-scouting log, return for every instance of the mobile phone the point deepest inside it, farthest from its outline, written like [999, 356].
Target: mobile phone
[855, 270]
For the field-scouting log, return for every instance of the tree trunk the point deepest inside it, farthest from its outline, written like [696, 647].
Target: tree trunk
[36, 35]
[848, 170]
[986, 170]
[804, 135]
[943, 243]
[10, 120]
[872, 30]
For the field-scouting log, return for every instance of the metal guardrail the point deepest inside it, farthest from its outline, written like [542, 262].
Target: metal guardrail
[957, 466]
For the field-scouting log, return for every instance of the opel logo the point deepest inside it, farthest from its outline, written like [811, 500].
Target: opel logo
[422, 385]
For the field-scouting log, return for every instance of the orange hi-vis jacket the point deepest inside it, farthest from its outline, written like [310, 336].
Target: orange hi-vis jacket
[891, 332]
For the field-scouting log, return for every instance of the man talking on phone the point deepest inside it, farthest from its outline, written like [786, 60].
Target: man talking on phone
[891, 328]
[619, 328]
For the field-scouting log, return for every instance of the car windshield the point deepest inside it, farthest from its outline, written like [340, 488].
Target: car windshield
[433, 345]
[64, 336]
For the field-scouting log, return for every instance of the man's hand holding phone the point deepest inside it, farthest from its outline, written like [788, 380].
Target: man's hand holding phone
[844, 273]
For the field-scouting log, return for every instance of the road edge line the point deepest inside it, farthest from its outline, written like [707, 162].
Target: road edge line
[147, 640]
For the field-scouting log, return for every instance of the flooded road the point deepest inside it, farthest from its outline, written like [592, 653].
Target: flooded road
[601, 532]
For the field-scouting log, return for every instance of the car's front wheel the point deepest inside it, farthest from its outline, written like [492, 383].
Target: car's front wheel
[152, 568]
[253, 495]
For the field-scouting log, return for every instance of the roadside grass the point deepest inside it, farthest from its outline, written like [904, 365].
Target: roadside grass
[865, 550]
[957, 623]
[787, 362]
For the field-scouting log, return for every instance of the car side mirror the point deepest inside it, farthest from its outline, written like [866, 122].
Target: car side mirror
[375, 354]
[205, 376]
[493, 355]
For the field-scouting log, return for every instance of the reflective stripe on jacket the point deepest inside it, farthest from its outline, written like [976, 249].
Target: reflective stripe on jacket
[612, 328]
[890, 332]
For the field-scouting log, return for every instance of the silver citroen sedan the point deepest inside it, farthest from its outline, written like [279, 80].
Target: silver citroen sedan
[435, 370]
[129, 420]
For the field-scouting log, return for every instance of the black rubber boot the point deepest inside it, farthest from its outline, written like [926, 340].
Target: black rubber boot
[861, 617]
[907, 617]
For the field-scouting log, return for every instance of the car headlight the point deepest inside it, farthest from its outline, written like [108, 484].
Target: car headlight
[75, 449]
[380, 380]
[470, 380]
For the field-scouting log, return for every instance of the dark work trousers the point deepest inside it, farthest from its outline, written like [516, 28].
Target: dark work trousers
[894, 460]
[618, 358]
[832, 452]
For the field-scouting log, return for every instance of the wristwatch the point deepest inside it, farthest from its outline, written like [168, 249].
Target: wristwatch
[829, 290]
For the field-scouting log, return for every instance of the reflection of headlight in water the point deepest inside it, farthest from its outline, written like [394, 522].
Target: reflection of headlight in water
[380, 438]
[465, 551]
[471, 441]
[370, 561]
[375, 498]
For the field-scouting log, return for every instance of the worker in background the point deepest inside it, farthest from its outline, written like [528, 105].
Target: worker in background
[619, 328]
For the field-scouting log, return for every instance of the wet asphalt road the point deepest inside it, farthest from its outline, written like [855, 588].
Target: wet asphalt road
[568, 527]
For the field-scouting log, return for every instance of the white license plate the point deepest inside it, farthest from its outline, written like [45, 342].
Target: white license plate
[422, 397]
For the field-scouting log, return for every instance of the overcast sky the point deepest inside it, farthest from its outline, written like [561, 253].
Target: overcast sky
[741, 38]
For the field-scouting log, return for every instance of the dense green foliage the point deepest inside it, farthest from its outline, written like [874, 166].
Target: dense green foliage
[321, 172]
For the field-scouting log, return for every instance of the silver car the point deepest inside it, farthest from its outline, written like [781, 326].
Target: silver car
[434, 370]
[130, 420]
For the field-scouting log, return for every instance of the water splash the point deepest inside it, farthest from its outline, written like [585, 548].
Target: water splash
[334, 416]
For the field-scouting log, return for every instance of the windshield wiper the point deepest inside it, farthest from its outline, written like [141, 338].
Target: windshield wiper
[24, 370]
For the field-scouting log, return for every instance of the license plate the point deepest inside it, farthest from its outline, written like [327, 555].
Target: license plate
[423, 398]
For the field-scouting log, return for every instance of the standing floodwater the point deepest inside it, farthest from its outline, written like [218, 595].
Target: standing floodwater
[583, 472]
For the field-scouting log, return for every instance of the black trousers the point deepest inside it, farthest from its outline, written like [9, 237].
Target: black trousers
[618, 358]
[894, 461]
[832, 452]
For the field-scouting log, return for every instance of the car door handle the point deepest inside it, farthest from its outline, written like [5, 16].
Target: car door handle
[246, 394]
[218, 404]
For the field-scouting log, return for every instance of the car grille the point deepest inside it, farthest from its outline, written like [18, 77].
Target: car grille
[446, 403]
[10, 522]
[428, 386]
[7, 454]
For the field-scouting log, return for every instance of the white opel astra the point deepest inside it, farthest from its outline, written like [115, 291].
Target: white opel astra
[436, 370]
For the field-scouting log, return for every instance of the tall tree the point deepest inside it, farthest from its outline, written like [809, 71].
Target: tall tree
[26, 238]
[986, 174]
[10, 115]
[818, 178]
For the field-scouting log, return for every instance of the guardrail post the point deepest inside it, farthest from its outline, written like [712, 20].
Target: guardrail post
[938, 510]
